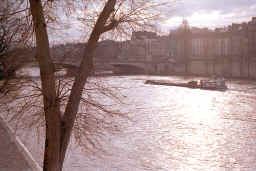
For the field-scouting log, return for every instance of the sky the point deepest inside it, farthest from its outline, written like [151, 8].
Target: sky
[211, 13]
[199, 13]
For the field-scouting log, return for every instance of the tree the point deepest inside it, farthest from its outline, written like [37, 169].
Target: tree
[14, 35]
[184, 38]
[116, 15]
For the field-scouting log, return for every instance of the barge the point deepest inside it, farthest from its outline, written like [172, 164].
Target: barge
[218, 84]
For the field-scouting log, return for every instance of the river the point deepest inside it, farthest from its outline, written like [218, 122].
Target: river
[175, 128]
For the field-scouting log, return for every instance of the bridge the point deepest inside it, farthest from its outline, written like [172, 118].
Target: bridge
[119, 67]
[139, 66]
[124, 67]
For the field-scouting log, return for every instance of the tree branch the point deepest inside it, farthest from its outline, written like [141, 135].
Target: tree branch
[81, 78]
[104, 16]
[16, 12]
[114, 23]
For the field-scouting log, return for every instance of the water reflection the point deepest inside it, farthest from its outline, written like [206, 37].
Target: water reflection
[198, 129]
[179, 128]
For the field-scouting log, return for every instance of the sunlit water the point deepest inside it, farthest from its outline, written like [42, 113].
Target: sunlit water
[178, 128]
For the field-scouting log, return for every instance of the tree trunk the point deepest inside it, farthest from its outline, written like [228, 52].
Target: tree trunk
[58, 130]
[84, 71]
[51, 107]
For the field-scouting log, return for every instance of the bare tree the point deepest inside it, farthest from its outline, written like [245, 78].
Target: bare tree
[61, 104]
[15, 40]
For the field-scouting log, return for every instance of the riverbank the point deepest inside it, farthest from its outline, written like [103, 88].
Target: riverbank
[14, 155]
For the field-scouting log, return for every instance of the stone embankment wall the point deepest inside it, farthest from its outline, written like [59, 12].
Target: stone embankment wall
[227, 69]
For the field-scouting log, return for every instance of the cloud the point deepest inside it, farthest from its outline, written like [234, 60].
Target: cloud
[188, 7]
[212, 13]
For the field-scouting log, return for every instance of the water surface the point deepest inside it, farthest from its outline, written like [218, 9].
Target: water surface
[177, 128]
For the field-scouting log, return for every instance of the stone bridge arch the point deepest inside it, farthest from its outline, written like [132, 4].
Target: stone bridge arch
[129, 68]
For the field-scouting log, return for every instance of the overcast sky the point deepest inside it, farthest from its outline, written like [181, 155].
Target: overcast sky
[211, 13]
[200, 13]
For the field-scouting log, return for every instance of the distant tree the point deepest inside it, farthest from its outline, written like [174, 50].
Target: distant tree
[184, 39]
[185, 26]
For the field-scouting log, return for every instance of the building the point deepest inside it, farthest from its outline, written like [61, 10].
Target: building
[228, 51]
[149, 51]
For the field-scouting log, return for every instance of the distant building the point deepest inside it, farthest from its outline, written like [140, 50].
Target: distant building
[148, 48]
[227, 51]
[142, 35]
[252, 38]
